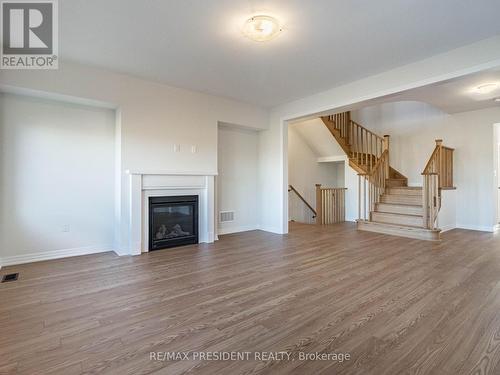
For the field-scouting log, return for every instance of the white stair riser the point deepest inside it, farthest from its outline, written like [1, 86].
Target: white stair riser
[399, 209]
[380, 217]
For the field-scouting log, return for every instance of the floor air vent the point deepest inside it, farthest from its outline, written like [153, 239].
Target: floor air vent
[226, 216]
[10, 277]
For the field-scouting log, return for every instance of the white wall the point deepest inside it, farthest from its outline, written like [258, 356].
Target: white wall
[414, 126]
[497, 169]
[273, 142]
[304, 172]
[318, 137]
[237, 182]
[57, 183]
[152, 118]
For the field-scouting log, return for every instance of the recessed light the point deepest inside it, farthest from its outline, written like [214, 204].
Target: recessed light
[497, 100]
[262, 28]
[486, 88]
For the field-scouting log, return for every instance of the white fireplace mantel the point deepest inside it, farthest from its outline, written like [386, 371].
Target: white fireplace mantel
[147, 184]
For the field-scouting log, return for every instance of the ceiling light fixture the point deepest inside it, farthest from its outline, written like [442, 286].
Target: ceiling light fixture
[262, 28]
[497, 100]
[486, 88]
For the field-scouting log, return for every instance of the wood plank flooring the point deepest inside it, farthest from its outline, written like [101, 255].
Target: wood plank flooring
[396, 305]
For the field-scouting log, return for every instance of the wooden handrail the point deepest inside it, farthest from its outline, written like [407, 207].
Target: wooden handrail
[437, 175]
[330, 205]
[291, 188]
[428, 166]
[369, 131]
[441, 163]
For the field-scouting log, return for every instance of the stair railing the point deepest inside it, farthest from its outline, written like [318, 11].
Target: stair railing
[330, 205]
[437, 175]
[371, 186]
[291, 188]
[366, 147]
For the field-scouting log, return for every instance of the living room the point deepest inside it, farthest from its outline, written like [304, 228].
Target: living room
[147, 154]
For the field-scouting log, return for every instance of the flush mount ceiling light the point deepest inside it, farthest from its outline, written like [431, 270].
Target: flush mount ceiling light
[486, 88]
[262, 28]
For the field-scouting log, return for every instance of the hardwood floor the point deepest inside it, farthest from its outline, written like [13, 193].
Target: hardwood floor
[395, 305]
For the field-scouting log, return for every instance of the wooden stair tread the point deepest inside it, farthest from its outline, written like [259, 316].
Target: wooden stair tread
[398, 225]
[400, 230]
[397, 214]
[402, 204]
[400, 208]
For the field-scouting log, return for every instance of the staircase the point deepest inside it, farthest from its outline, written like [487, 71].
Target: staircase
[400, 212]
[386, 203]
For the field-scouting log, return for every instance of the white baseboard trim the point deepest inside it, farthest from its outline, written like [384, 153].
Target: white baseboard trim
[243, 228]
[53, 254]
[274, 230]
[447, 228]
[480, 228]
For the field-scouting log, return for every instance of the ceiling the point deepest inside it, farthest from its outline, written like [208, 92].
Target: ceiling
[197, 44]
[457, 95]
[452, 96]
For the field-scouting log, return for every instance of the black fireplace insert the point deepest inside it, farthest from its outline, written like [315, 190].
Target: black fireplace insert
[173, 221]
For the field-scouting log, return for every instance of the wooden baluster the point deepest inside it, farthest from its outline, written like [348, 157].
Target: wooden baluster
[424, 202]
[343, 205]
[334, 204]
[328, 206]
[359, 197]
[338, 205]
[319, 204]
[451, 168]
[325, 206]
[439, 144]
[386, 148]
[364, 200]
[370, 138]
[357, 144]
[364, 147]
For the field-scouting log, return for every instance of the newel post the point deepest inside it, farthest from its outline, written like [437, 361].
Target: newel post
[386, 148]
[319, 205]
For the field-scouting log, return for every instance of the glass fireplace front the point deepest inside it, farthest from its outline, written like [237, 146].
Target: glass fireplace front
[173, 221]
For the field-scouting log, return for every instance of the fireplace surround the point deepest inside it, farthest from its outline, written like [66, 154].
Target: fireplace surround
[157, 183]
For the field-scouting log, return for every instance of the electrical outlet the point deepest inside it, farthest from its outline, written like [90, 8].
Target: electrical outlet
[65, 228]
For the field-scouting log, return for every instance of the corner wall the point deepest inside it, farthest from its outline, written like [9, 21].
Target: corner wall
[237, 182]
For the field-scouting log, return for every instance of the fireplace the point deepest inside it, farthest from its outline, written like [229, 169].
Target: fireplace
[173, 221]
